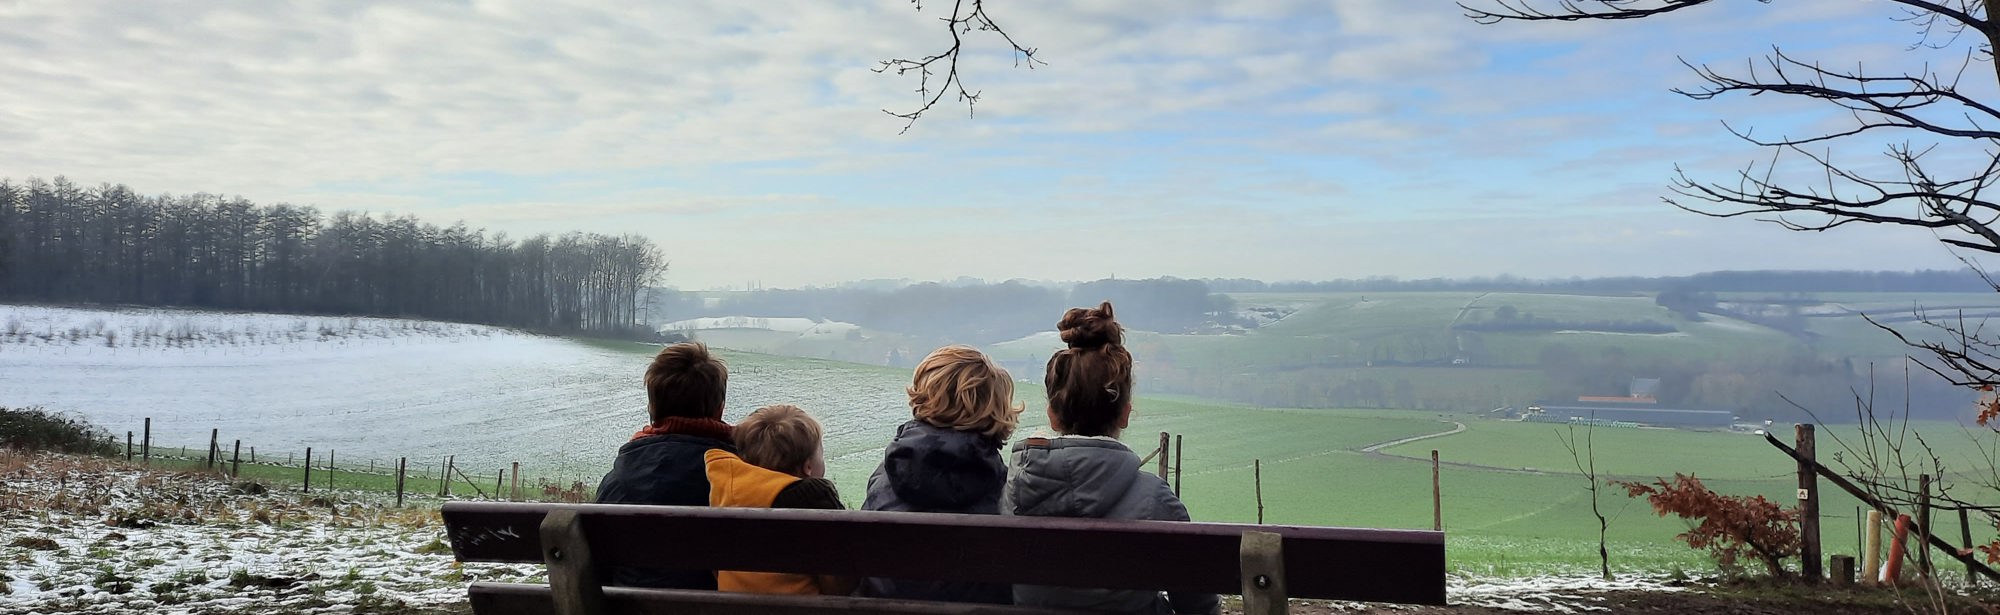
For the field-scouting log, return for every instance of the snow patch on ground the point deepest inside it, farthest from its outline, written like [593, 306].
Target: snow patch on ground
[128, 540]
[805, 327]
[1577, 332]
[1731, 324]
[1553, 594]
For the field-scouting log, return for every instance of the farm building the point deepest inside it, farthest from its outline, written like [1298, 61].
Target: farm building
[1644, 414]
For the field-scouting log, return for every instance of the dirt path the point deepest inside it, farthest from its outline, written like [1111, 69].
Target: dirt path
[1377, 447]
[1465, 308]
[1375, 450]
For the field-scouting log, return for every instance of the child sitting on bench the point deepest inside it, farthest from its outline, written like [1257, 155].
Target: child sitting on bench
[781, 466]
[1082, 470]
[947, 460]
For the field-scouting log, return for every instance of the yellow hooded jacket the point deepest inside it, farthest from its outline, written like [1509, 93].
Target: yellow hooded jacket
[733, 482]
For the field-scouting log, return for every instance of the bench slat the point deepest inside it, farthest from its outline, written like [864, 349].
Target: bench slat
[515, 599]
[1404, 566]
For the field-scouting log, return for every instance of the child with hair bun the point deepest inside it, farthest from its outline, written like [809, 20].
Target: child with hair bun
[947, 459]
[1082, 470]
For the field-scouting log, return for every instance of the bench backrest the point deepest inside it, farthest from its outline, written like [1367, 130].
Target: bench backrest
[1404, 566]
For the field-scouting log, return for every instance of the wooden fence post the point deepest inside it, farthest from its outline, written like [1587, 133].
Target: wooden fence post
[128, 446]
[515, 493]
[1843, 571]
[1923, 524]
[236, 460]
[309, 469]
[450, 463]
[253, 453]
[1871, 500]
[1257, 476]
[1437, 498]
[146, 444]
[499, 481]
[1165, 442]
[1177, 465]
[1809, 553]
[213, 450]
[329, 468]
[402, 464]
[1965, 536]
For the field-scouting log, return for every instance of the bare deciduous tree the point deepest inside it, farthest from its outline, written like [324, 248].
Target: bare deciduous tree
[1585, 457]
[967, 17]
[1942, 145]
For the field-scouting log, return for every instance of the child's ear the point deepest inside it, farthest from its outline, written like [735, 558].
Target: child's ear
[1125, 416]
[1055, 424]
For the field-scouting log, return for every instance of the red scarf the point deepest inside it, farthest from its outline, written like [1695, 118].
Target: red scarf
[703, 427]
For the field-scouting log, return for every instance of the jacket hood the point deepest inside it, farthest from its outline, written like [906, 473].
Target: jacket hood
[1071, 476]
[735, 482]
[934, 468]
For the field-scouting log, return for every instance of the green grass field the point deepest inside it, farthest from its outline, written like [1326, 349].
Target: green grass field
[1530, 512]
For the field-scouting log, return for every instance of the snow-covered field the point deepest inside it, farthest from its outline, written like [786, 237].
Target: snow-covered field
[385, 388]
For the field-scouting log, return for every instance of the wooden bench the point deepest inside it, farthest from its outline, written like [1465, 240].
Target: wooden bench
[1264, 563]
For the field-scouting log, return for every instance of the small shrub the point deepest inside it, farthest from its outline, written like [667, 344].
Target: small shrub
[39, 429]
[1726, 526]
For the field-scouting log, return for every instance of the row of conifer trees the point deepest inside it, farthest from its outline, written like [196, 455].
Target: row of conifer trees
[63, 243]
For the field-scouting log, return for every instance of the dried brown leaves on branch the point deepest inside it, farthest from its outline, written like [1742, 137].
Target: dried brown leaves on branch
[967, 17]
[1727, 526]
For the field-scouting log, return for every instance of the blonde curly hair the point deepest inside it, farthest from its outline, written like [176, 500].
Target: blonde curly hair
[958, 387]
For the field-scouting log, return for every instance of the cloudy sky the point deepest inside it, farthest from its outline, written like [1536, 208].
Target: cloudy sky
[1268, 139]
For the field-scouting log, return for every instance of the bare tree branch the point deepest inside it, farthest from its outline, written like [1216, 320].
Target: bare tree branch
[967, 16]
[1575, 10]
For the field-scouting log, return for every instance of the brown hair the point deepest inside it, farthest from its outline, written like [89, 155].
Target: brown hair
[780, 438]
[1090, 382]
[957, 387]
[685, 381]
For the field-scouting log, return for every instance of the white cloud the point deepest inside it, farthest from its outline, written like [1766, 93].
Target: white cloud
[752, 133]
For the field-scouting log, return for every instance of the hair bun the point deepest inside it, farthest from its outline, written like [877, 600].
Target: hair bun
[1090, 327]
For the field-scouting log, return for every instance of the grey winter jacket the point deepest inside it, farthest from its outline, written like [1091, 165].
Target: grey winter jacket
[1093, 477]
[933, 469]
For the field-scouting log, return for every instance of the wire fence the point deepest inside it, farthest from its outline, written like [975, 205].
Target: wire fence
[427, 475]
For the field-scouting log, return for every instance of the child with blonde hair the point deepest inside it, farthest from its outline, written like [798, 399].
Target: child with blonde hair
[779, 463]
[947, 459]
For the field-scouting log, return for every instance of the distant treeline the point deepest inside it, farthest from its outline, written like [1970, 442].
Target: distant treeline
[68, 244]
[1931, 281]
[975, 314]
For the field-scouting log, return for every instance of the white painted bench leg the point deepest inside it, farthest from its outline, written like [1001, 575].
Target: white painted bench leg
[1263, 568]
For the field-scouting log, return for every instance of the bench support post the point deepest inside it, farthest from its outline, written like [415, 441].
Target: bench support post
[573, 579]
[1263, 567]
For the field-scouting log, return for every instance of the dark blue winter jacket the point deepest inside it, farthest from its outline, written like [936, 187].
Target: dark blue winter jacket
[666, 470]
[934, 469]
